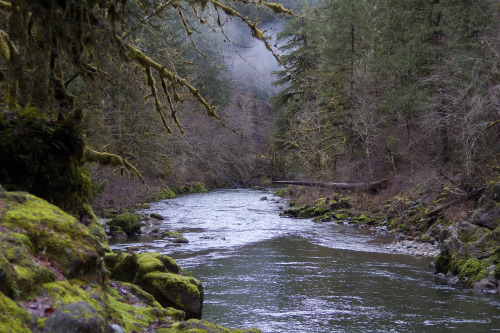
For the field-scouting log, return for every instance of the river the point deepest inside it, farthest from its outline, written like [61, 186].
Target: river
[287, 275]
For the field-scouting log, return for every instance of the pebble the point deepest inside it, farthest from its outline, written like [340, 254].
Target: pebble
[414, 248]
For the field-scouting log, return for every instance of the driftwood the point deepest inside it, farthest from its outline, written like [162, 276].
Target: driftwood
[374, 186]
[471, 195]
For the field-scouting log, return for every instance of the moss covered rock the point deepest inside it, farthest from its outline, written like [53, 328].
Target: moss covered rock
[13, 318]
[39, 242]
[283, 192]
[164, 193]
[294, 211]
[488, 213]
[161, 276]
[174, 290]
[470, 247]
[203, 326]
[195, 187]
[128, 223]
[75, 317]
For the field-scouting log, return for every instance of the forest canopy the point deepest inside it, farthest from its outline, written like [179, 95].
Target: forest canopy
[385, 88]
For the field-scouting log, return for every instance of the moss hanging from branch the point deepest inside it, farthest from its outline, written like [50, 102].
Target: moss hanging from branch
[154, 94]
[108, 159]
[146, 61]
[279, 9]
[4, 46]
[173, 113]
[5, 5]
[256, 32]
[189, 32]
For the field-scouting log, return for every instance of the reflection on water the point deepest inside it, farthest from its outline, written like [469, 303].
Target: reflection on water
[286, 275]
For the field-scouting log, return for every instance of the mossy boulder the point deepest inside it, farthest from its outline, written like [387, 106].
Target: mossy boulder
[175, 237]
[32, 231]
[129, 223]
[164, 193]
[473, 270]
[341, 216]
[468, 249]
[174, 290]
[488, 213]
[364, 220]
[157, 216]
[283, 192]
[195, 187]
[203, 326]
[75, 317]
[161, 276]
[294, 211]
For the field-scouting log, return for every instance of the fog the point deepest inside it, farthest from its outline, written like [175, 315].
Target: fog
[250, 63]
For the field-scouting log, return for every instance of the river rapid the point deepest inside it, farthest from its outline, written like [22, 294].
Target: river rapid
[287, 275]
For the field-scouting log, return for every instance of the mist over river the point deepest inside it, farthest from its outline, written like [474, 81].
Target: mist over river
[287, 275]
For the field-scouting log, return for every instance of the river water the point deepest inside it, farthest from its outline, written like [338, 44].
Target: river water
[287, 275]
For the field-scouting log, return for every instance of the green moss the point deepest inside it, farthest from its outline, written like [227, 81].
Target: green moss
[168, 280]
[394, 223]
[44, 230]
[283, 192]
[341, 216]
[442, 262]
[496, 272]
[147, 263]
[320, 211]
[131, 267]
[95, 227]
[74, 291]
[363, 219]
[12, 317]
[164, 193]
[132, 317]
[307, 212]
[474, 270]
[323, 218]
[127, 222]
[173, 290]
[195, 187]
[171, 234]
[142, 206]
[202, 326]
[294, 211]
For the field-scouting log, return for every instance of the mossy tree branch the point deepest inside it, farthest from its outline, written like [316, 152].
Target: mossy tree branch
[108, 159]
[4, 5]
[146, 61]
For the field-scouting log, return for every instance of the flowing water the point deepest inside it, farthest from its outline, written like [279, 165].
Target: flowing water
[287, 275]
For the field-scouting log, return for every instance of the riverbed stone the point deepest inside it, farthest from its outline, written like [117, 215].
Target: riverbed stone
[156, 216]
[177, 291]
[161, 276]
[129, 223]
[195, 325]
[75, 317]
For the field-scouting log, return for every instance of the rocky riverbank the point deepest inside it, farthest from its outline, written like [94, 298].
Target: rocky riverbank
[466, 251]
[57, 274]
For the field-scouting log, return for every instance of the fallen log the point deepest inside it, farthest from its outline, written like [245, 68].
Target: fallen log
[373, 186]
[471, 195]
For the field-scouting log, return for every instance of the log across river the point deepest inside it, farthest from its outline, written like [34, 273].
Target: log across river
[286, 275]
